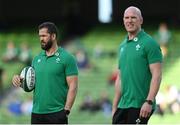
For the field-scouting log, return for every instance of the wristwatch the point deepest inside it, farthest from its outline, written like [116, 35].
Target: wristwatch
[150, 102]
[67, 111]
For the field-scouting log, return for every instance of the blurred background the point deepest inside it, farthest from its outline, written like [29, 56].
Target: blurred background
[92, 30]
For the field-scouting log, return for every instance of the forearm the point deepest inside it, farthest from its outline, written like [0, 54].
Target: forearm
[117, 93]
[116, 101]
[154, 88]
[155, 81]
[71, 97]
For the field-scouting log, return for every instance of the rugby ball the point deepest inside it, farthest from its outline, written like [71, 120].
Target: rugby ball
[28, 79]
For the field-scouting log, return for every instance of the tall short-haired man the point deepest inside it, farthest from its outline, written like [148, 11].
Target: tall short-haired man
[139, 76]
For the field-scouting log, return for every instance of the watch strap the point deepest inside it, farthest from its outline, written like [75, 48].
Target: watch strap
[150, 102]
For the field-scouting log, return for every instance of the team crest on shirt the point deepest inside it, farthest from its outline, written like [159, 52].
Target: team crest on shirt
[57, 60]
[138, 47]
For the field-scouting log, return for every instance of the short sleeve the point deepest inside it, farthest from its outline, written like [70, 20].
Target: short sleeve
[154, 53]
[71, 66]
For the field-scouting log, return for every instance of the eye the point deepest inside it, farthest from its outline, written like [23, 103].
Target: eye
[133, 17]
[126, 17]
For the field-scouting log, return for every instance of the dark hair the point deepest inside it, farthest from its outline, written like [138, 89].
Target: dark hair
[51, 27]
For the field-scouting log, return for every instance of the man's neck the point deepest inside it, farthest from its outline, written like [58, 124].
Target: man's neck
[52, 50]
[133, 34]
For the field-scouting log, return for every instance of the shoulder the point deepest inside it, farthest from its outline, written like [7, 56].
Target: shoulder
[123, 43]
[38, 56]
[64, 52]
[66, 55]
[149, 41]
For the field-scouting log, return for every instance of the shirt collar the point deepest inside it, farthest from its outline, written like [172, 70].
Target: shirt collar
[136, 38]
[57, 53]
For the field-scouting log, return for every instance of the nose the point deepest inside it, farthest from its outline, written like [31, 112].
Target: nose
[129, 20]
[41, 38]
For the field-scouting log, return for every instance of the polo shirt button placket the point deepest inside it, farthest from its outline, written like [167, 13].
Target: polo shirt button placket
[135, 39]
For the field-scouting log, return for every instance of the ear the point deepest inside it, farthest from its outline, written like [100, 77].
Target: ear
[53, 36]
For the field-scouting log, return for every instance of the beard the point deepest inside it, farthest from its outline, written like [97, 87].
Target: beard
[46, 46]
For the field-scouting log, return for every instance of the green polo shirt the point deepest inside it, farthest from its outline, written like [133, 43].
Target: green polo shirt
[51, 86]
[135, 56]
